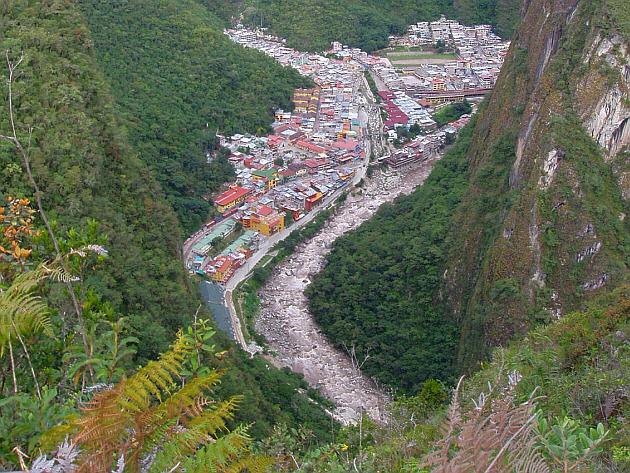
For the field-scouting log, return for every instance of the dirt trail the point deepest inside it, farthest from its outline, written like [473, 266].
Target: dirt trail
[289, 327]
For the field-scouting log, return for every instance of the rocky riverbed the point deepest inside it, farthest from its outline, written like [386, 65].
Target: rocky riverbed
[289, 327]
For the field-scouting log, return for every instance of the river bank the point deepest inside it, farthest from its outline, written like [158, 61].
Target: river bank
[288, 326]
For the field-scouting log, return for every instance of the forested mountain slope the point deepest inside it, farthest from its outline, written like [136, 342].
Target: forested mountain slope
[96, 190]
[177, 80]
[537, 227]
[86, 168]
[313, 24]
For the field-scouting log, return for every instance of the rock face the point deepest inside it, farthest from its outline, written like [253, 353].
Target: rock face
[558, 127]
[608, 122]
[288, 326]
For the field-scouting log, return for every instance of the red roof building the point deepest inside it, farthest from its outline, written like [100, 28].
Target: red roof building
[311, 147]
[231, 197]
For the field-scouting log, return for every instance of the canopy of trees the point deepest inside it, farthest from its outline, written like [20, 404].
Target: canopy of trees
[313, 24]
[452, 112]
[177, 80]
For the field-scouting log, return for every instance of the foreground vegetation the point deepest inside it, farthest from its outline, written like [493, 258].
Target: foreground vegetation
[555, 401]
[563, 391]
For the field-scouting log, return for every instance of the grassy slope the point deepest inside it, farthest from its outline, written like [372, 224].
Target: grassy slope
[501, 299]
[579, 367]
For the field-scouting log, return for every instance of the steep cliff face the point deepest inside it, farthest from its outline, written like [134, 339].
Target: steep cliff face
[521, 222]
[543, 222]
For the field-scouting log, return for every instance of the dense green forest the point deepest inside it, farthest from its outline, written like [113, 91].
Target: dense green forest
[376, 291]
[472, 264]
[87, 171]
[177, 80]
[313, 24]
[118, 241]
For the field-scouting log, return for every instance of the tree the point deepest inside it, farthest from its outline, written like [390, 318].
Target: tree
[278, 161]
[288, 218]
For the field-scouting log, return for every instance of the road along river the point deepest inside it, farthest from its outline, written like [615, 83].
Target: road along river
[289, 327]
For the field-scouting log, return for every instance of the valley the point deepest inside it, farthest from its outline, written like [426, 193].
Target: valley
[314, 236]
[295, 339]
[341, 158]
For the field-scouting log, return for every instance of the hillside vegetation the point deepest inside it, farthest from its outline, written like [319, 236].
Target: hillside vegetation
[573, 374]
[314, 24]
[119, 235]
[484, 257]
[177, 80]
[86, 169]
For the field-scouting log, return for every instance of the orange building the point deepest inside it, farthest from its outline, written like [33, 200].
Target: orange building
[265, 220]
[222, 269]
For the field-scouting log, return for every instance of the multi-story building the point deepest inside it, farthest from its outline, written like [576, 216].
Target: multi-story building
[231, 197]
[264, 220]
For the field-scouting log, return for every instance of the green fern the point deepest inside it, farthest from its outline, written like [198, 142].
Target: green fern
[154, 420]
[23, 313]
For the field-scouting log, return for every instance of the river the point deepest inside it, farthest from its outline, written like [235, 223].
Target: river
[288, 326]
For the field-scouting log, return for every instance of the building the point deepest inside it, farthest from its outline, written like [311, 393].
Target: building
[222, 268]
[404, 158]
[264, 220]
[269, 176]
[231, 197]
[312, 200]
[438, 84]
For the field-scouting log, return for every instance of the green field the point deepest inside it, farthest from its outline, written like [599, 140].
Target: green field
[409, 57]
[396, 49]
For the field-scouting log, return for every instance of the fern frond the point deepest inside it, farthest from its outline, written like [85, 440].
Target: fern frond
[200, 430]
[119, 421]
[213, 420]
[188, 396]
[157, 379]
[200, 405]
[220, 454]
[251, 464]
[23, 313]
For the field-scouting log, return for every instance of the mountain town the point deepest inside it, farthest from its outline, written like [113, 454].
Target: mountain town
[312, 236]
[326, 143]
